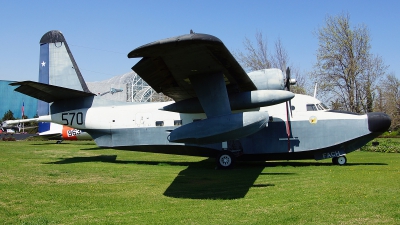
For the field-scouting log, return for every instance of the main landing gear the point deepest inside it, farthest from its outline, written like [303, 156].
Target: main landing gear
[341, 160]
[230, 150]
[225, 160]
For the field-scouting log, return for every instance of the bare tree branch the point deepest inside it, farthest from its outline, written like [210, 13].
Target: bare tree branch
[257, 57]
[345, 68]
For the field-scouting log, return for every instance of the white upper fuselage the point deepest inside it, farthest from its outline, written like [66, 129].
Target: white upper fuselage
[140, 115]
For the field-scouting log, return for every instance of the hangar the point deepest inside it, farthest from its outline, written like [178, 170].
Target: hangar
[12, 100]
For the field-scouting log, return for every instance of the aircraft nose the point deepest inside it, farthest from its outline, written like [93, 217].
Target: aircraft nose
[378, 121]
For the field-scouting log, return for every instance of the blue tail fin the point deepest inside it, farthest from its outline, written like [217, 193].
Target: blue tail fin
[57, 67]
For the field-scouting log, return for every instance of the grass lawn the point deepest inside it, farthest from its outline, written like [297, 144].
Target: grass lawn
[77, 183]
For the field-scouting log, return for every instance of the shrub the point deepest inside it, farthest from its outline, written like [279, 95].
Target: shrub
[8, 139]
[385, 145]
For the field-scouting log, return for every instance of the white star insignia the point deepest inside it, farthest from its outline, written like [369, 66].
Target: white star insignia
[43, 63]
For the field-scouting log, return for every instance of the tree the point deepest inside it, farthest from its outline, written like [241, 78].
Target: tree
[346, 71]
[8, 116]
[256, 57]
[388, 99]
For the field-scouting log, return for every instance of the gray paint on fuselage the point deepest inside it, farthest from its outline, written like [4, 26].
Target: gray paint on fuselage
[153, 139]
[272, 139]
[304, 135]
[346, 147]
[139, 136]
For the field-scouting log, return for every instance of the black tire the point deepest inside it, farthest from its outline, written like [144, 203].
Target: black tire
[225, 160]
[342, 160]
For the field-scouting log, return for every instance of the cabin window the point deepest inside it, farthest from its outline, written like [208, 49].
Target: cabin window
[311, 107]
[177, 122]
[159, 123]
[319, 107]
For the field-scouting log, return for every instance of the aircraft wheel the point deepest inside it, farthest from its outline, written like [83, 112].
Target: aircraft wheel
[225, 160]
[335, 161]
[342, 160]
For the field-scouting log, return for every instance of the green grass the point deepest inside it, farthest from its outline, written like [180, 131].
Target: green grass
[77, 183]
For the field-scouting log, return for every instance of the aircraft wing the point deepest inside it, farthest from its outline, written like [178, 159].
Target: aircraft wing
[169, 65]
[48, 93]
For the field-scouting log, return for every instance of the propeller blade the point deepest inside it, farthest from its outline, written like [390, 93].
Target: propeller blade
[287, 85]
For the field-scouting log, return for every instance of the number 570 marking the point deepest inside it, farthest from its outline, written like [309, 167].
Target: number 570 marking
[70, 118]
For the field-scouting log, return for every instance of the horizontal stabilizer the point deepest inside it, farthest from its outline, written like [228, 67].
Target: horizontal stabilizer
[8, 122]
[48, 93]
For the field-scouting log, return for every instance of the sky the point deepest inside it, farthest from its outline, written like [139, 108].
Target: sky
[101, 33]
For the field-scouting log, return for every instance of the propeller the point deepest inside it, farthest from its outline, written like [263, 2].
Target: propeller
[288, 82]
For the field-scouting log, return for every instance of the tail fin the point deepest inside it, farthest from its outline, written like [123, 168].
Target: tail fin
[59, 76]
[57, 67]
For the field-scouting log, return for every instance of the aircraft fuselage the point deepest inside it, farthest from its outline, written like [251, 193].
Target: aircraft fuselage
[315, 134]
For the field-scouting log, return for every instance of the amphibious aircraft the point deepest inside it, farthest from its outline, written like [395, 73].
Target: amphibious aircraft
[52, 131]
[218, 111]
[64, 133]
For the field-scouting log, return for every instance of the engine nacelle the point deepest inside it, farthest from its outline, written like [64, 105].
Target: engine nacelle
[237, 101]
[268, 79]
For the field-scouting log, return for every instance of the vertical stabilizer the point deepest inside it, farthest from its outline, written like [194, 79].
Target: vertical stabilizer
[57, 67]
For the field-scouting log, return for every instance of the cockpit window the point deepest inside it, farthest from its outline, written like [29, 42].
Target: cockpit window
[320, 107]
[311, 107]
[316, 107]
[325, 107]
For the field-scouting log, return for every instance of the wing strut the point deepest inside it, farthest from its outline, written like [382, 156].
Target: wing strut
[212, 94]
[221, 124]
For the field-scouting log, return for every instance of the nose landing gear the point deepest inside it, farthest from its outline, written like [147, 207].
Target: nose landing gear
[341, 160]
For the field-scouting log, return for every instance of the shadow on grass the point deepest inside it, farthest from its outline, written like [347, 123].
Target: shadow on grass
[50, 143]
[93, 149]
[113, 159]
[200, 180]
[98, 158]
[306, 164]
